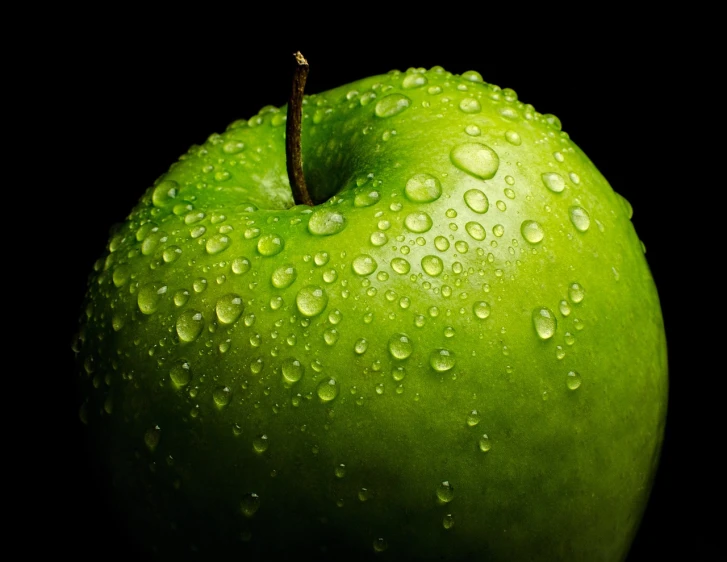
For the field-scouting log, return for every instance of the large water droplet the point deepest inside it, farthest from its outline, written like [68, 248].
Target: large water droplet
[327, 389]
[270, 244]
[360, 346]
[432, 265]
[292, 370]
[475, 230]
[580, 218]
[325, 221]
[283, 276]
[181, 373]
[553, 181]
[222, 396]
[573, 381]
[513, 138]
[400, 266]
[311, 300]
[229, 308]
[532, 231]
[476, 200]
[470, 105]
[418, 222]
[380, 544]
[445, 492]
[544, 322]
[150, 296]
[260, 444]
[365, 197]
[240, 265]
[400, 346]
[423, 188]
[442, 360]
[165, 193]
[250, 504]
[441, 243]
[189, 325]
[217, 243]
[481, 309]
[391, 105]
[364, 264]
[477, 159]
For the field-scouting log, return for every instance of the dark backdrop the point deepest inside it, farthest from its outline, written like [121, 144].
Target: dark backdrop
[126, 98]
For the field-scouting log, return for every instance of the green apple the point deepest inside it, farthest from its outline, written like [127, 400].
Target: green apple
[456, 353]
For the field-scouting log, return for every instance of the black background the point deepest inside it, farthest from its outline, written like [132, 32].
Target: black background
[123, 98]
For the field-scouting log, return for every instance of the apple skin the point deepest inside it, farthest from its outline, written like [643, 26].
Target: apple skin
[217, 288]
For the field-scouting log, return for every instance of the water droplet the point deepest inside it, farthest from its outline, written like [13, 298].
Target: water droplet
[441, 243]
[150, 296]
[400, 346]
[165, 193]
[574, 380]
[532, 231]
[270, 245]
[250, 504]
[284, 276]
[432, 265]
[414, 80]
[325, 221]
[330, 336]
[217, 243]
[475, 230]
[544, 322]
[398, 373]
[189, 325]
[391, 105]
[171, 254]
[292, 370]
[448, 521]
[364, 494]
[233, 147]
[473, 418]
[485, 444]
[260, 444]
[181, 297]
[576, 292]
[152, 437]
[553, 181]
[364, 264]
[327, 389]
[366, 197]
[181, 373]
[311, 300]
[441, 360]
[222, 396]
[361, 346]
[580, 218]
[340, 471]
[513, 138]
[481, 309]
[229, 308]
[330, 276]
[564, 307]
[380, 544]
[477, 201]
[240, 265]
[473, 130]
[445, 492]
[418, 222]
[400, 266]
[477, 159]
[470, 105]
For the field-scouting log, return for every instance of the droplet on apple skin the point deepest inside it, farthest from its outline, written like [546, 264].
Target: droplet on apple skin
[250, 504]
[476, 159]
[544, 322]
[553, 181]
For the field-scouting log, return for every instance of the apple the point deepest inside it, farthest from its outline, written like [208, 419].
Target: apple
[457, 352]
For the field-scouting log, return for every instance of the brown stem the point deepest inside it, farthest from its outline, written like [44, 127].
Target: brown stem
[293, 153]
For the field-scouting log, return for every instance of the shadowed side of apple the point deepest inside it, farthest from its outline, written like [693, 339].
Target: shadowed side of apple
[457, 353]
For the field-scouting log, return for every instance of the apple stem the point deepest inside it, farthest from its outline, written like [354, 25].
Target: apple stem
[293, 152]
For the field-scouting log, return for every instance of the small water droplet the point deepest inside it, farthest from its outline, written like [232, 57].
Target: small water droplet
[400, 266]
[391, 105]
[580, 218]
[481, 309]
[470, 105]
[564, 307]
[152, 437]
[532, 231]
[327, 389]
[414, 80]
[240, 265]
[476, 230]
[330, 336]
[442, 360]
[360, 346]
[365, 197]
[150, 296]
[164, 193]
[477, 159]
[544, 322]
[217, 243]
[513, 138]
[340, 470]
[260, 444]
[380, 544]
[473, 418]
[229, 308]
[576, 292]
[448, 521]
[222, 396]
[485, 444]
[181, 373]
[553, 181]
[325, 221]
[441, 243]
